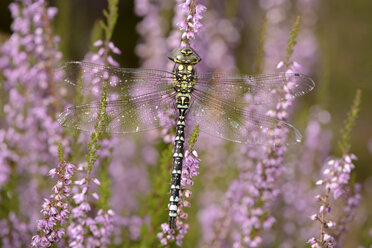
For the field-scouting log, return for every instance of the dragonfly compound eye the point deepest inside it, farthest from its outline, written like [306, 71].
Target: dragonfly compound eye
[184, 56]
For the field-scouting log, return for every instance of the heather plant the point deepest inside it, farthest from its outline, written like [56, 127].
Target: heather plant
[29, 102]
[111, 190]
[55, 210]
[336, 180]
[255, 189]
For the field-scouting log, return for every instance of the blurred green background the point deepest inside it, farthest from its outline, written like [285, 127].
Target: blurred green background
[344, 33]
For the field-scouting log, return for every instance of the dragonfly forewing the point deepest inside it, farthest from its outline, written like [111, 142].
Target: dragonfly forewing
[122, 116]
[226, 106]
[122, 83]
[259, 89]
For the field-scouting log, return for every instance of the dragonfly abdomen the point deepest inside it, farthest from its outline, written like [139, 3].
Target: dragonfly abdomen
[183, 101]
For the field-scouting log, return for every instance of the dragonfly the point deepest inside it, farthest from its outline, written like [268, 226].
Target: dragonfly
[228, 106]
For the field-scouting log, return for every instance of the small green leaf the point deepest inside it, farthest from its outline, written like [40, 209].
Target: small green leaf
[349, 123]
[292, 41]
[60, 152]
[194, 136]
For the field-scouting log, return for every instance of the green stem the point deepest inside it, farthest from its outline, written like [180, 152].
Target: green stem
[292, 41]
[349, 123]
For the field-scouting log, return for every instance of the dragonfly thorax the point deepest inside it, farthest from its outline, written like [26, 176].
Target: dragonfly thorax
[184, 78]
[184, 71]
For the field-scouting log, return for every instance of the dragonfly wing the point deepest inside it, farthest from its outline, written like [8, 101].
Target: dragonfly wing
[122, 83]
[122, 116]
[219, 118]
[259, 89]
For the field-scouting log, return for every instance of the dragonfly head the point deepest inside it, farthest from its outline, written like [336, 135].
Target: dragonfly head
[185, 55]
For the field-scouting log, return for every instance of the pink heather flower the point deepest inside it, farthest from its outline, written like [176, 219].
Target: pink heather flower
[114, 49]
[167, 234]
[264, 179]
[29, 133]
[98, 43]
[28, 128]
[335, 180]
[295, 187]
[111, 61]
[256, 187]
[191, 25]
[85, 231]
[337, 174]
[56, 209]
[190, 168]
[96, 181]
[76, 230]
[101, 228]
[98, 57]
[154, 46]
